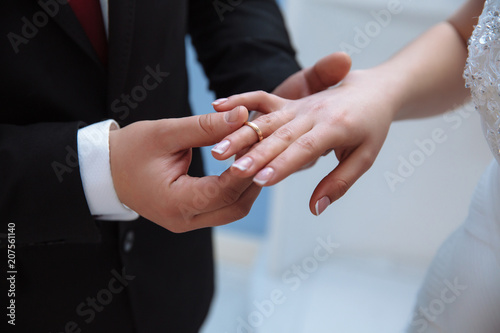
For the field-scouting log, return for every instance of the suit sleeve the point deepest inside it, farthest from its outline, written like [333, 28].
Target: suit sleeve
[40, 185]
[243, 45]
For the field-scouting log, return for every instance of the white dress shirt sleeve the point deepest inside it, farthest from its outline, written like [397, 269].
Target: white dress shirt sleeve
[95, 171]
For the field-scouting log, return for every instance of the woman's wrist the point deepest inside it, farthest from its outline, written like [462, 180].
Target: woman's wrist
[385, 89]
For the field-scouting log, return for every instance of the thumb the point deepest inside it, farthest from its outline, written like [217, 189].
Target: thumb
[328, 71]
[207, 129]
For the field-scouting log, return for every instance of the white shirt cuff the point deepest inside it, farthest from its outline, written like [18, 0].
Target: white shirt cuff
[95, 171]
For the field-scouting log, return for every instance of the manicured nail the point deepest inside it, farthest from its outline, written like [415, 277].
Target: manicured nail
[221, 147]
[232, 116]
[263, 176]
[243, 163]
[219, 101]
[321, 205]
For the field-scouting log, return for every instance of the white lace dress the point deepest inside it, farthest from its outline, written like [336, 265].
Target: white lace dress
[461, 293]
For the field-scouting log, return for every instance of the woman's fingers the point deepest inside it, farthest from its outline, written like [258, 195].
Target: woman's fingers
[269, 149]
[305, 149]
[246, 136]
[288, 150]
[257, 100]
[336, 184]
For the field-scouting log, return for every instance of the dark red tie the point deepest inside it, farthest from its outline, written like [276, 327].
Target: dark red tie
[89, 14]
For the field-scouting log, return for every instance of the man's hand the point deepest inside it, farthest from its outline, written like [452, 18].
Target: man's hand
[326, 72]
[149, 164]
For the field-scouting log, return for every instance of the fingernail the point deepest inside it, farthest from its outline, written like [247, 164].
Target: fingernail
[243, 163]
[221, 147]
[264, 176]
[219, 101]
[232, 116]
[321, 205]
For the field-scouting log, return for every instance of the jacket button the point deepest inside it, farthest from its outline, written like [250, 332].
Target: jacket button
[128, 241]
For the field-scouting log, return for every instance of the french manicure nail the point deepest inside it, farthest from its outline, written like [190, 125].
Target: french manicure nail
[221, 147]
[243, 163]
[219, 101]
[321, 205]
[264, 176]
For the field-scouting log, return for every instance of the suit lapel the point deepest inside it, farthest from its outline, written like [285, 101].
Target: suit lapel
[63, 15]
[121, 31]
[121, 28]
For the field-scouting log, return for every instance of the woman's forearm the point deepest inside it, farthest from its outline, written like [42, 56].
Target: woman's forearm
[429, 73]
[425, 78]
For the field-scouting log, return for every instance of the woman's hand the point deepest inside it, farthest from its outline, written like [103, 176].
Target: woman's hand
[352, 119]
[326, 72]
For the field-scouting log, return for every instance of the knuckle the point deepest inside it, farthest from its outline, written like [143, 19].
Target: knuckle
[240, 211]
[230, 196]
[261, 94]
[340, 118]
[207, 124]
[318, 106]
[267, 118]
[280, 160]
[284, 134]
[349, 124]
[366, 159]
[340, 187]
[274, 119]
[307, 143]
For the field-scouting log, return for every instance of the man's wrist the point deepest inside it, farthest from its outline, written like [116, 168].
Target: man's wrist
[95, 171]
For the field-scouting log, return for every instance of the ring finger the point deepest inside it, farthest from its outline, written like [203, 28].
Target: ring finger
[247, 136]
[267, 150]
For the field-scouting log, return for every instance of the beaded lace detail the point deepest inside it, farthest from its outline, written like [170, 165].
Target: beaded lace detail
[482, 73]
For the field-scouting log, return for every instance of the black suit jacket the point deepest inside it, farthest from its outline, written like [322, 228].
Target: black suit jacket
[75, 272]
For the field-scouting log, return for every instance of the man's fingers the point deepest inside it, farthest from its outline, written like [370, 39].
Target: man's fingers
[256, 100]
[236, 211]
[204, 130]
[328, 71]
[340, 180]
[206, 194]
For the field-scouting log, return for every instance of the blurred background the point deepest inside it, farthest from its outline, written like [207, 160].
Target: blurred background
[358, 267]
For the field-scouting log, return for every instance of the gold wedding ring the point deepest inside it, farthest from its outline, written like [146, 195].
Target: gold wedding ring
[256, 129]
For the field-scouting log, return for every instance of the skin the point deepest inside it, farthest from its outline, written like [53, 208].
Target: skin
[353, 119]
[150, 159]
[155, 184]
